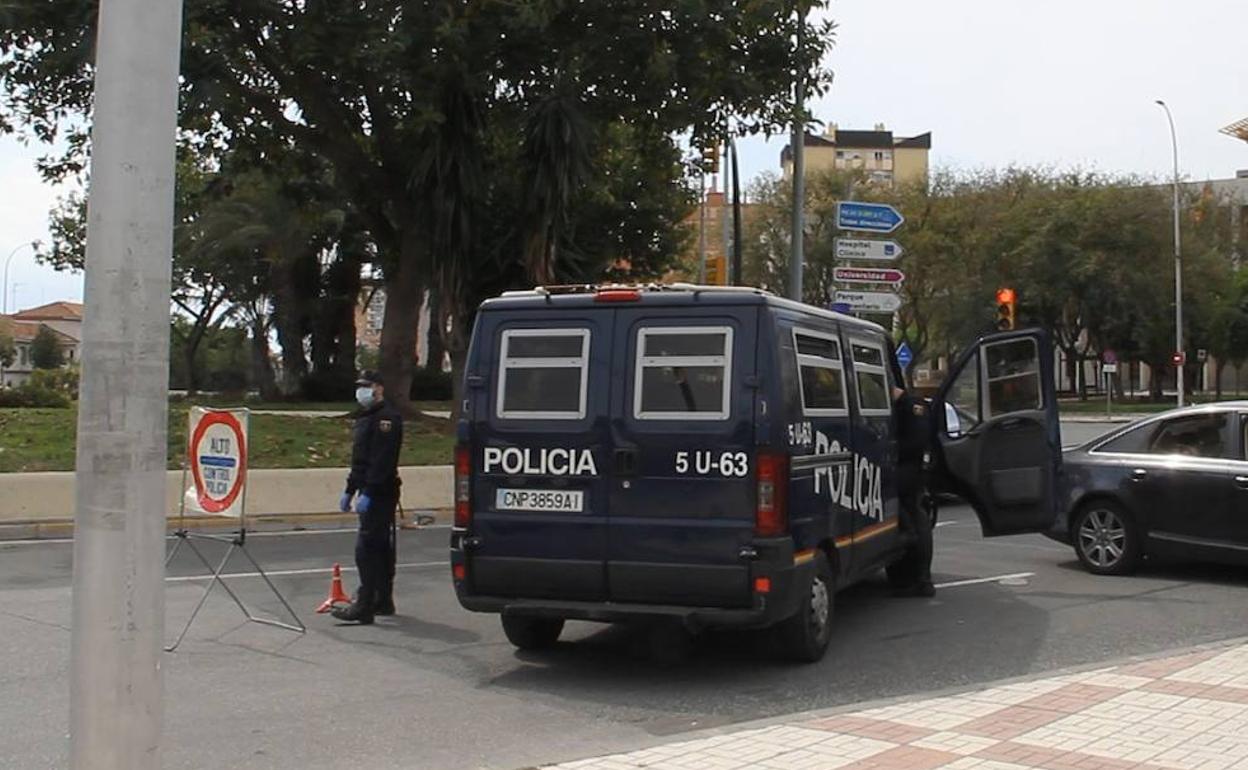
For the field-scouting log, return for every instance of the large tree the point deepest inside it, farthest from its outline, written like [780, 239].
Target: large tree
[424, 110]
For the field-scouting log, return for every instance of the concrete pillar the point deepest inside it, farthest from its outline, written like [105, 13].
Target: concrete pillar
[119, 540]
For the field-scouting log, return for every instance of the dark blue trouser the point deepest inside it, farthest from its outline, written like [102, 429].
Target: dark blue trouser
[914, 518]
[374, 550]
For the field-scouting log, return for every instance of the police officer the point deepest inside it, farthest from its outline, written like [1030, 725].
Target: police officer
[912, 438]
[374, 485]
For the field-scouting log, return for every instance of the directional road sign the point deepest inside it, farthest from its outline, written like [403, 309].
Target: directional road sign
[871, 301]
[867, 217]
[864, 248]
[904, 356]
[867, 275]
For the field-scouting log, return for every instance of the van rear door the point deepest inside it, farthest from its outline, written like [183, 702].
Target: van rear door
[998, 437]
[682, 495]
[541, 447]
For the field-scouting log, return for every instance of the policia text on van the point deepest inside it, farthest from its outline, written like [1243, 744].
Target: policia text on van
[718, 456]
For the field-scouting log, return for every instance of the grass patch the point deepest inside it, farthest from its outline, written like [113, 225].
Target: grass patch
[43, 440]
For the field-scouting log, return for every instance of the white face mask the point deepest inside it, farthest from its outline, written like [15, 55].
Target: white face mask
[364, 395]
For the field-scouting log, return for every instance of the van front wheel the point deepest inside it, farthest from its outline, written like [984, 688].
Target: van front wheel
[805, 636]
[532, 633]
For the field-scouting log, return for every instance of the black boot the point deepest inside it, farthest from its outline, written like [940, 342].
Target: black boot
[355, 612]
[385, 604]
[923, 589]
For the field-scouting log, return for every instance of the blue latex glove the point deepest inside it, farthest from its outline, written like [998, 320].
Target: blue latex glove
[363, 503]
[344, 502]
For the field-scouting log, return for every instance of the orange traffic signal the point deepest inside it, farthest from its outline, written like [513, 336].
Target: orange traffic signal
[1005, 309]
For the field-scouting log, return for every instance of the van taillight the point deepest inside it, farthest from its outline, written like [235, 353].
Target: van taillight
[771, 516]
[463, 486]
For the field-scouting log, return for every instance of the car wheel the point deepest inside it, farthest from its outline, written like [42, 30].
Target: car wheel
[805, 636]
[532, 633]
[1106, 538]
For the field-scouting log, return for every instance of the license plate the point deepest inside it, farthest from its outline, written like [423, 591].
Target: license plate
[569, 500]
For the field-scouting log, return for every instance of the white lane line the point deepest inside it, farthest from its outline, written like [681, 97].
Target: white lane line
[274, 533]
[993, 579]
[288, 572]
[945, 524]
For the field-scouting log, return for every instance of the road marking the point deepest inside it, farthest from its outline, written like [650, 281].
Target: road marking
[275, 533]
[289, 572]
[993, 579]
[940, 524]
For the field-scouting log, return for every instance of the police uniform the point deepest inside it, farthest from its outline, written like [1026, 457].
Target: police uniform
[912, 438]
[374, 477]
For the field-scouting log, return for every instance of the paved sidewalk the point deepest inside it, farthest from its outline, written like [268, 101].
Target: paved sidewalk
[1183, 712]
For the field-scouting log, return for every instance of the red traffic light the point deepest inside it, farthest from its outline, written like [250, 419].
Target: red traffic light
[1178, 359]
[1005, 296]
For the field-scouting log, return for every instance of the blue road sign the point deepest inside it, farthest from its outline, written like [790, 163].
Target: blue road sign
[840, 307]
[904, 356]
[867, 217]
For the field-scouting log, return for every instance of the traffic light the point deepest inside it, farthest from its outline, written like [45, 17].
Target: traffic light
[1005, 309]
[1178, 359]
[710, 159]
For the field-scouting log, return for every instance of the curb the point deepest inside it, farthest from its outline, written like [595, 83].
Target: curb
[44, 529]
[824, 713]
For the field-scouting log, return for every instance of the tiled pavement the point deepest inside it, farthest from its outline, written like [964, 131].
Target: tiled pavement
[1183, 712]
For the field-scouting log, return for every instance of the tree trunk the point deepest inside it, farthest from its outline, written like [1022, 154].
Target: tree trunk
[1217, 378]
[262, 376]
[289, 326]
[1157, 371]
[404, 296]
[1072, 364]
[435, 344]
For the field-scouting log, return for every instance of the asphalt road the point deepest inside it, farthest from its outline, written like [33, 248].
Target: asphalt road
[437, 687]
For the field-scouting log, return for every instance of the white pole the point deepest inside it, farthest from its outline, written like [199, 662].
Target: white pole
[797, 257]
[1178, 261]
[119, 528]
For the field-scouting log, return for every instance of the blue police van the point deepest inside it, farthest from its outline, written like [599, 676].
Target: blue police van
[718, 456]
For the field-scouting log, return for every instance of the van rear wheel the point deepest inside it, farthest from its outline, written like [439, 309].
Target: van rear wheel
[805, 636]
[527, 633]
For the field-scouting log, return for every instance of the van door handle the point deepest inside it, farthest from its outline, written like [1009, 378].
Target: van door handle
[1139, 474]
[1241, 482]
[626, 462]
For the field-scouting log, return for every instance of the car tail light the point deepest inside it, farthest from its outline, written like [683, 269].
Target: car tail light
[459, 572]
[463, 485]
[617, 295]
[762, 585]
[771, 515]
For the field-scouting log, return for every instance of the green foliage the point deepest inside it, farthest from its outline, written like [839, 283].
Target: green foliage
[45, 350]
[1091, 257]
[31, 395]
[62, 380]
[8, 349]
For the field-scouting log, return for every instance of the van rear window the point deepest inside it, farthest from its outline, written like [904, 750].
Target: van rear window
[543, 373]
[682, 373]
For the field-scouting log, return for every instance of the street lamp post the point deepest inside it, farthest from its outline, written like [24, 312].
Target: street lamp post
[1178, 262]
[4, 300]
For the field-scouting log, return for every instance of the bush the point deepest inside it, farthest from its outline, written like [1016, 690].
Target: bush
[31, 396]
[428, 385]
[63, 380]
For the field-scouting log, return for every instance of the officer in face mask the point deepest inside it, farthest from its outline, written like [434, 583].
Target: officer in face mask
[374, 485]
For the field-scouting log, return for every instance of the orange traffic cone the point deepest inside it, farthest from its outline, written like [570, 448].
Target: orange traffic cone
[336, 594]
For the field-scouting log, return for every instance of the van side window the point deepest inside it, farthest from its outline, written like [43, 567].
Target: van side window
[871, 376]
[543, 374]
[821, 373]
[682, 372]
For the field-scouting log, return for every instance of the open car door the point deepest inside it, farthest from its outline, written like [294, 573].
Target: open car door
[998, 439]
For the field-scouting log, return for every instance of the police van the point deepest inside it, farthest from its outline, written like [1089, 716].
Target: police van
[715, 455]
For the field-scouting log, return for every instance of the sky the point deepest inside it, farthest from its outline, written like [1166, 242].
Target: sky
[1063, 83]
